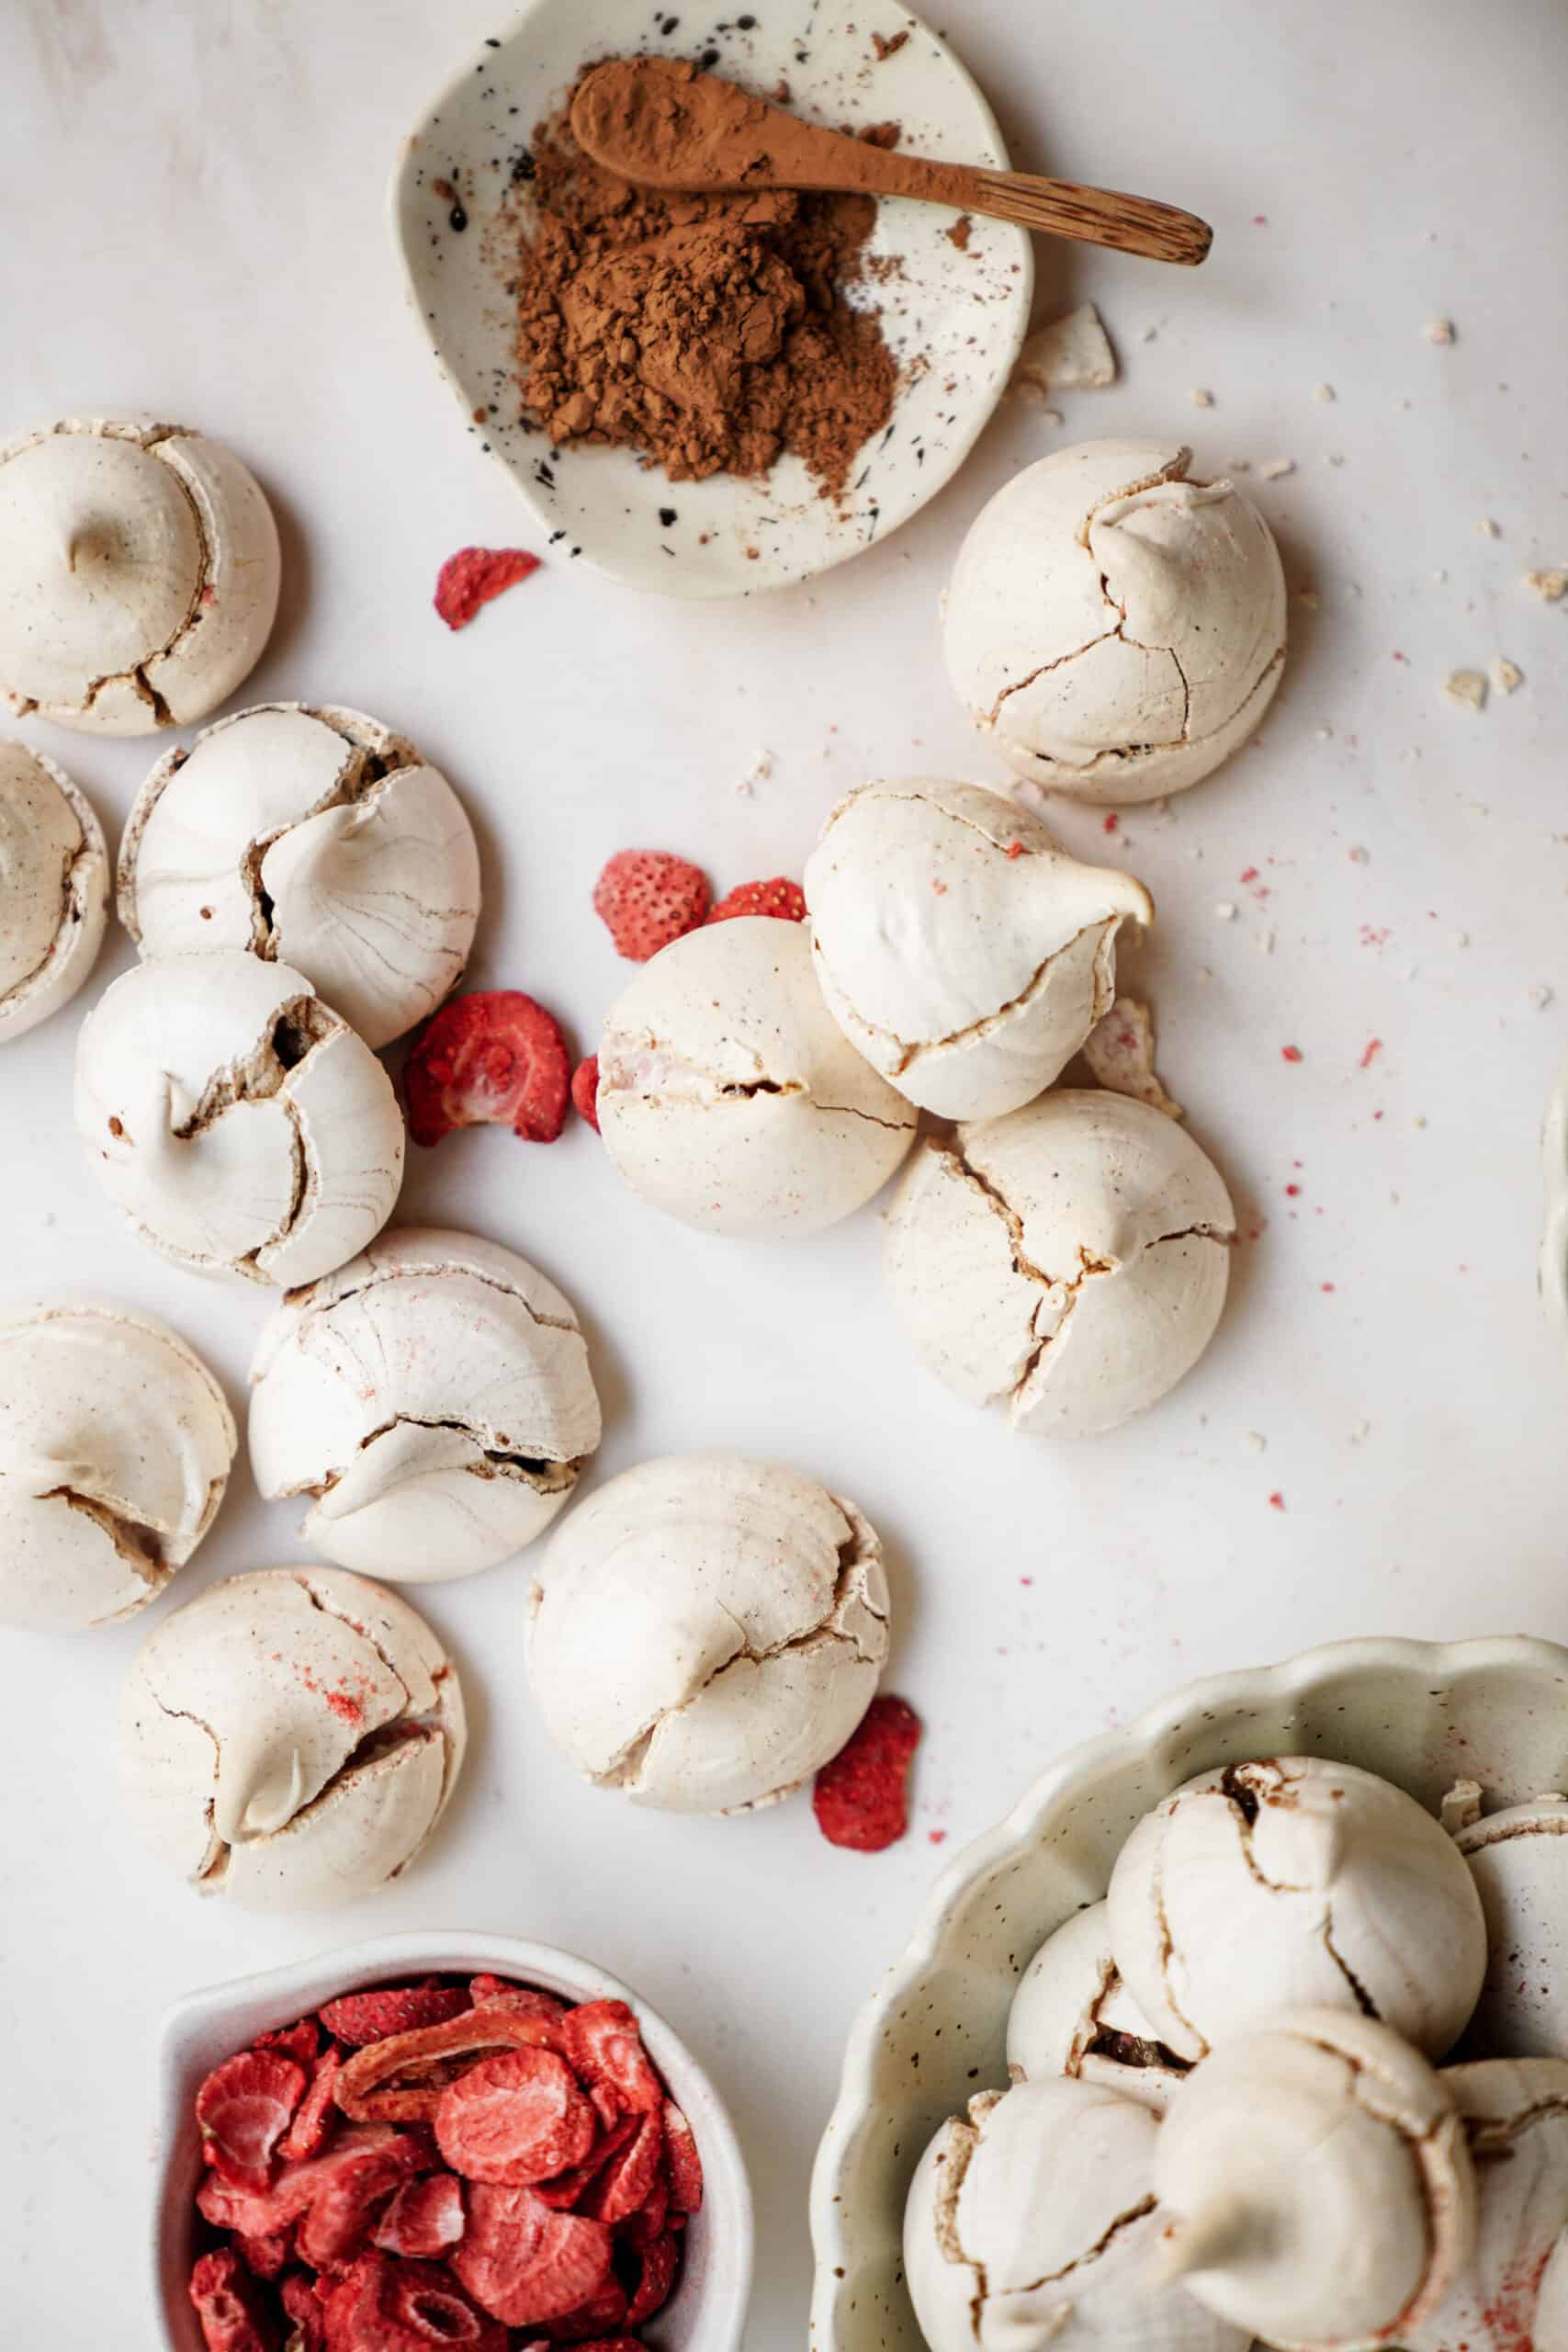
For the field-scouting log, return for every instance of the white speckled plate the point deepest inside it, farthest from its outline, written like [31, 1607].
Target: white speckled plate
[961, 312]
[1421, 1714]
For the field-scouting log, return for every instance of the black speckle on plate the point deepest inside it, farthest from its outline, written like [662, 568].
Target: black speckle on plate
[708, 60]
[668, 516]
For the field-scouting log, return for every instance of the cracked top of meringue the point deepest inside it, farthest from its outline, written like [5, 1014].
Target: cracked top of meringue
[53, 889]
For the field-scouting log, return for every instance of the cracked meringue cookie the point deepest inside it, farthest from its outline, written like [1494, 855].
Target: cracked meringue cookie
[53, 890]
[728, 1097]
[139, 575]
[1116, 628]
[315, 837]
[1031, 2220]
[1068, 1262]
[434, 1397]
[959, 946]
[1072, 2015]
[240, 1125]
[114, 1448]
[1519, 1860]
[1292, 1882]
[290, 1737]
[1315, 2185]
[707, 1631]
[1513, 2112]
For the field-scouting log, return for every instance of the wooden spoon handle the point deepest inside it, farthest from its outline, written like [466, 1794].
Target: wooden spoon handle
[1095, 216]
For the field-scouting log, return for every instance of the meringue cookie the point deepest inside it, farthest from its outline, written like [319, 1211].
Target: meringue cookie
[139, 575]
[1068, 1261]
[316, 837]
[237, 1122]
[707, 1631]
[1519, 1860]
[960, 948]
[434, 1395]
[1117, 629]
[1032, 2222]
[1515, 2114]
[290, 1738]
[53, 890]
[115, 1447]
[1073, 2015]
[727, 1096]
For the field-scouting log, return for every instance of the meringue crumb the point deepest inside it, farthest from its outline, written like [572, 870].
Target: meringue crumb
[1507, 675]
[1467, 687]
[1462, 939]
[1439, 331]
[1199, 398]
[1266, 942]
[1072, 354]
[1363, 1430]
[1277, 467]
[1120, 1050]
[1324, 393]
[1257, 1441]
[1540, 996]
[758, 772]
[1488, 529]
[1051, 416]
[1336, 460]
[1149, 335]
[1225, 911]
[1551, 586]
[1358, 856]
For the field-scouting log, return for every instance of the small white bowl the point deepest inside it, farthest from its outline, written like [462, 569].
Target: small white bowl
[1421, 1714]
[961, 314]
[708, 2311]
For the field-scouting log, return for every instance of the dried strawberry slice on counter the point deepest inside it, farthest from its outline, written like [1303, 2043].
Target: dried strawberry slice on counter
[659, 2258]
[359, 2085]
[304, 2307]
[524, 2261]
[348, 2203]
[243, 2110]
[860, 1798]
[630, 2179]
[423, 2219]
[301, 2041]
[381, 2305]
[514, 2119]
[782, 898]
[490, 1058]
[605, 2045]
[231, 2307]
[645, 897]
[316, 2113]
[360, 2018]
[585, 1090]
[474, 577]
[685, 2166]
[524, 2000]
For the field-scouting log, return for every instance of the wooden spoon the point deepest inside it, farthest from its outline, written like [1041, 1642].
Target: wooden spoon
[660, 122]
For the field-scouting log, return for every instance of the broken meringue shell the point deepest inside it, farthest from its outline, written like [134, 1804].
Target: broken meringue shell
[290, 1737]
[1031, 2220]
[1068, 1261]
[237, 1122]
[1519, 1860]
[140, 577]
[960, 947]
[53, 890]
[1515, 2114]
[1115, 627]
[707, 1631]
[1072, 2015]
[315, 837]
[115, 1447]
[433, 1395]
[728, 1097]
[1294, 1882]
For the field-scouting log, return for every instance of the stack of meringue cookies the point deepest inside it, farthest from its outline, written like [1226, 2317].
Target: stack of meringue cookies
[303, 889]
[1301, 2078]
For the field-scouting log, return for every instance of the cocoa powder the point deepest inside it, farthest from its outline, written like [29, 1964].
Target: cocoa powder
[710, 333]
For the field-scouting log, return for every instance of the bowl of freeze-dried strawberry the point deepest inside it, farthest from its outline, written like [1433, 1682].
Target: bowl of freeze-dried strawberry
[441, 2141]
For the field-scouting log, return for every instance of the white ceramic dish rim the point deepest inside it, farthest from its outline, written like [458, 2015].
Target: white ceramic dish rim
[279, 1994]
[1158, 1728]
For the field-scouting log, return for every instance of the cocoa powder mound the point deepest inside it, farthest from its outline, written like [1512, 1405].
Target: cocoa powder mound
[708, 332]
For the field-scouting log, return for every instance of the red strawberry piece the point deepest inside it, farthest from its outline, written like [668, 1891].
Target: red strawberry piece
[630, 2179]
[230, 2306]
[659, 2259]
[425, 2217]
[316, 2113]
[645, 897]
[360, 2018]
[359, 2086]
[524, 2000]
[244, 2110]
[614, 2344]
[386, 2306]
[304, 2307]
[300, 2042]
[265, 2257]
[492, 1058]
[565, 2189]
[525, 2262]
[474, 576]
[653, 2216]
[585, 1090]
[606, 2047]
[607, 2311]
[516, 2119]
[347, 2205]
[685, 2163]
[861, 1799]
[783, 899]
[606, 2104]
[228, 2207]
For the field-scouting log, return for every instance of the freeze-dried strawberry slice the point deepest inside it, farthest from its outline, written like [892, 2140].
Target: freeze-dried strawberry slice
[359, 2085]
[230, 2306]
[228, 2207]
[685, 2165]
[645, 897]
[630, 2179]
[474, 576]
[244, 2110]
[653, 2216]
[659, 2258]
[347, 2206]
[525, 2262]
[316, 2113]
[304, 2307]
[783, 899]
[360, 2018]
[524, 2000]
[564, 2190]
[265, 2257]
[423, 2219]
[607, 2311]
[300, 2040]
[585, 1090]
[516, 2119]
[385, 2306]
[605, 2045]
[490, 1058]
[606, 2104]
[860, 1798]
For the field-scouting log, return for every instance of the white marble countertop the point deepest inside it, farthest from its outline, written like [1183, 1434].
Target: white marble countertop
[194, 194]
